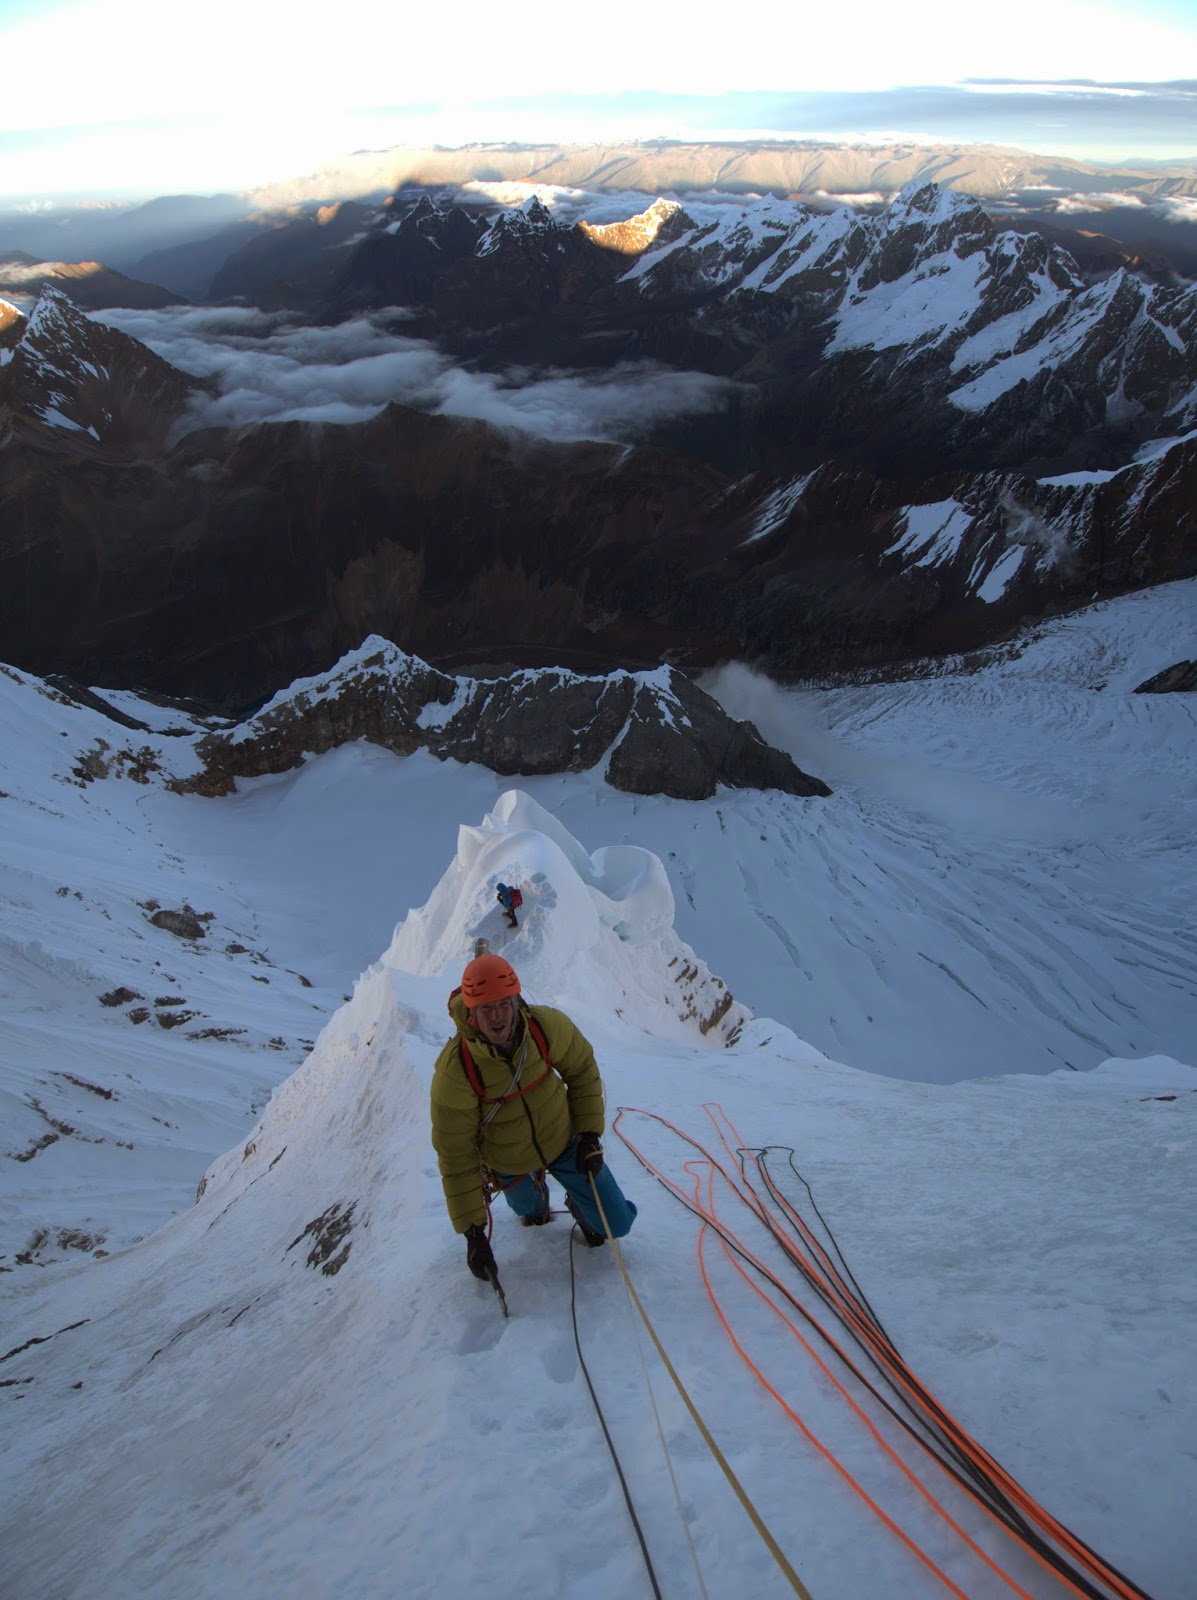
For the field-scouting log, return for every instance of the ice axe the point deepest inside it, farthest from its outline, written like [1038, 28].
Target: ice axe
[492, 1274]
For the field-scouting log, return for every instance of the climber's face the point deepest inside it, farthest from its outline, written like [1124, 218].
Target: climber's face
[495, 1020]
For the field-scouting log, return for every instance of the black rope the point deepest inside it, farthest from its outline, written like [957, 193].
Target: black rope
[623, 1482]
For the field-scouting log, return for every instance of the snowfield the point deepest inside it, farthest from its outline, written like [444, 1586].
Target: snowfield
[964, 999]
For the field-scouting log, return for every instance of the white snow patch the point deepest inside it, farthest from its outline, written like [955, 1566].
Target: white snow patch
[1003, 570]
[933, 533]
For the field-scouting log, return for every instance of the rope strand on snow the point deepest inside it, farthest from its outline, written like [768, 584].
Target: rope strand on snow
[623, 1482]
[754, 1515]
[665, 1450]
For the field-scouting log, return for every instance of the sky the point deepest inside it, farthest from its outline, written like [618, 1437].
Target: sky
[963, 999]
[118, 97]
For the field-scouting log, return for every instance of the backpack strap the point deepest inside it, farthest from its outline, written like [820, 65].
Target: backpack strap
[475, 1081]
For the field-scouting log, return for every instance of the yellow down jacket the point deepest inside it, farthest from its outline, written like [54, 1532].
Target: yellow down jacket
[526, 1132]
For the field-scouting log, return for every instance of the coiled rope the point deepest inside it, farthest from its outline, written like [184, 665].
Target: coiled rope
[824, 1271]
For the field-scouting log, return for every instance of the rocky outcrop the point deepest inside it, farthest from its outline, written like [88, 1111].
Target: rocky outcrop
[1180, 678]
[659, 733]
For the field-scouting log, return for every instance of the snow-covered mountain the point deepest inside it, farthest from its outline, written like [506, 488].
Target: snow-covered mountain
[906, 434]
[1002, 877]
[295, 1384]
[180, 240]
[67, 377]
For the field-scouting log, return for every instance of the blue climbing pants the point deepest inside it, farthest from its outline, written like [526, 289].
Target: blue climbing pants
[527, 1197]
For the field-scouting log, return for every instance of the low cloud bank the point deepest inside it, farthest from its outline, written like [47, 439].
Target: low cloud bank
[271, 369]
[1167, 208]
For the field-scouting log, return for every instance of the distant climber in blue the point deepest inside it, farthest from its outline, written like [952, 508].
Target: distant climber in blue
[510, 899]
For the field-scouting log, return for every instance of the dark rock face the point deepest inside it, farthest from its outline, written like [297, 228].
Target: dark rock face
[1181, 678]
[295, 245]
[669, 737]
[230, 565]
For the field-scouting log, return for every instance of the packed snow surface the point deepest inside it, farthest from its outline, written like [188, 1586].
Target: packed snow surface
[964, 999]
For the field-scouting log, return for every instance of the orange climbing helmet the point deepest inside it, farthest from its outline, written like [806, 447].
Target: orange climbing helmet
[488, 978]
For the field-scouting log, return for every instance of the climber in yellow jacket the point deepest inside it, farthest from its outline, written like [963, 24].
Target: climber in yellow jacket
[517, 1095]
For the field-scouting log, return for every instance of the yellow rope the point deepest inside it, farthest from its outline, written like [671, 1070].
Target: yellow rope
[754, 1515]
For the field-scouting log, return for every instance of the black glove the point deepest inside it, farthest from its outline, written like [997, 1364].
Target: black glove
[588, 1155]
[479, 1256]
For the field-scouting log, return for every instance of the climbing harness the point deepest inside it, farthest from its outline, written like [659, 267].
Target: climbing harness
[492, 1183]
[532, 1029]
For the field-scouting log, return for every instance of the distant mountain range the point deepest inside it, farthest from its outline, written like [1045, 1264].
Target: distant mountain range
[934, 428]
[180, 242]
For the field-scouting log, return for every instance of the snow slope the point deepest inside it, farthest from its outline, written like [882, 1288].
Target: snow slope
[1001, 885]
[296, 1387]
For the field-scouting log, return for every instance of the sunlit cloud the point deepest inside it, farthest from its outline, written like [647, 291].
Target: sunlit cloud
[1074, 204]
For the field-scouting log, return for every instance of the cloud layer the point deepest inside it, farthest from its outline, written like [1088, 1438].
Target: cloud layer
[269, 369]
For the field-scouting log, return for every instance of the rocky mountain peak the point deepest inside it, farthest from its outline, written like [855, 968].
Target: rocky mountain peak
[54, 316]
[535, 212]
[531, 220]
[660, 733]
[81, 377]
[929, 202]
[634, 235]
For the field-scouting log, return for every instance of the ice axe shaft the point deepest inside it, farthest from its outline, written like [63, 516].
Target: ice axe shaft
[493, 1275]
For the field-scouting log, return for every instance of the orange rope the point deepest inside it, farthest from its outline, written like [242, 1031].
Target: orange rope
[980, 1457]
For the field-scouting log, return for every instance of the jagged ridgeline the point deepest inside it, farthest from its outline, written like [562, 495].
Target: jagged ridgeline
[658, 732]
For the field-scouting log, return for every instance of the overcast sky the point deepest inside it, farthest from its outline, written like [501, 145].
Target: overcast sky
[119, 95]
